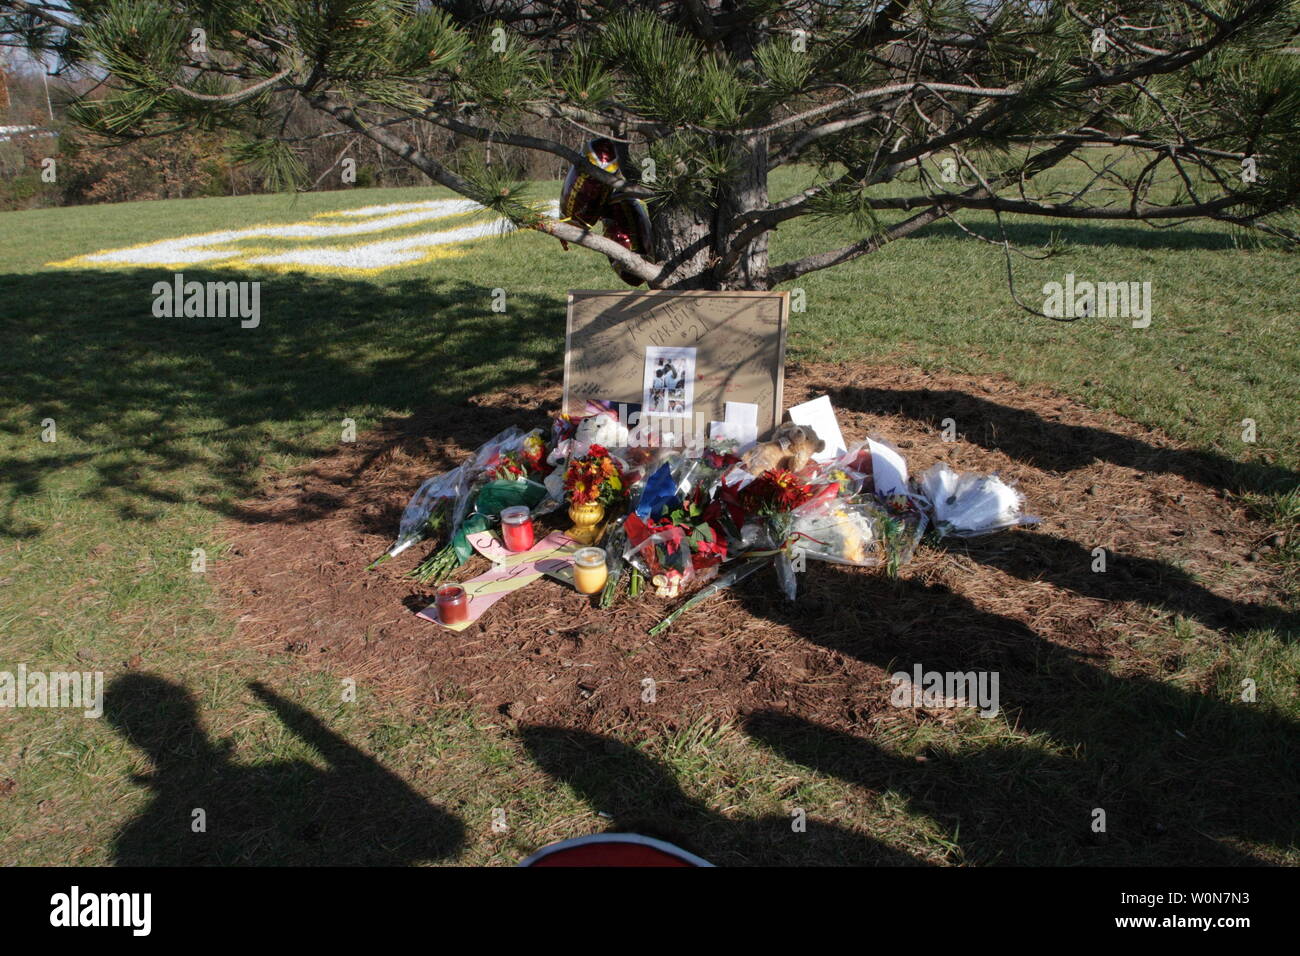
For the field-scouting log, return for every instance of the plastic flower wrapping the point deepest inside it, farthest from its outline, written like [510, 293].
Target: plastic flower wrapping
[693, 522]
[967, 504]
[508, 469]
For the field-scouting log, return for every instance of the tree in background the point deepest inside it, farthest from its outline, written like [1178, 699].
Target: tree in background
[967, 102]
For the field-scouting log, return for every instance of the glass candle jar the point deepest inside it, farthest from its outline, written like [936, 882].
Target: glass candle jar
[589, 570]
[517, 527]
[453, 604]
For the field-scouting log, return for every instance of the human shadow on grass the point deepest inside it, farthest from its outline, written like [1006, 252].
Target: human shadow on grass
[1184, 778]
[1057, 446]
[287, 812]
[640, 795]
[166, 411]
[1036, 556]
[1029, 234]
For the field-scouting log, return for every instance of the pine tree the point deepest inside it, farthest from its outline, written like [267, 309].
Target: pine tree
[966, 103]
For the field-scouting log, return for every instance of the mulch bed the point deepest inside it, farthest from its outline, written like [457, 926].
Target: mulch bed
[1021, 601]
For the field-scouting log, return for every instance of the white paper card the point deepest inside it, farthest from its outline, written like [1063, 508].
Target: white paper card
[743, 434]
[819, 415]
[741, 413]
[888, 469]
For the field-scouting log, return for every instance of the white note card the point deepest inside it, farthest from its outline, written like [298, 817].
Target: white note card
[887, 468]
[819, 415]
[742, 413]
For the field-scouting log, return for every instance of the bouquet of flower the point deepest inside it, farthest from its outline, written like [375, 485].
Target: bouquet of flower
[774, 493]
[593, 477]
[706, 471]
[428, 512]
[844, 532]
[901, 524]
[681, 547]
[442, 501]
[505, 471]
[528, 461]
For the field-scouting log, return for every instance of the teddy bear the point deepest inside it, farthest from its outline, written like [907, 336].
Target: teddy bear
[790, 448]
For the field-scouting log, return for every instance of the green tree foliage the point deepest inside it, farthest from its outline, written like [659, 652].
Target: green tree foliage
[967, 101]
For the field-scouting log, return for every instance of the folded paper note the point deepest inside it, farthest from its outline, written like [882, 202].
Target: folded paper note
[742, 413]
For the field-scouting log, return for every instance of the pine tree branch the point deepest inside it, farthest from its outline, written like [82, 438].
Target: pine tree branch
[1098, 138]
[824, 260]
[231, 99]
[539, 144]
[798, 205]
[43, 11]
[1133, 211]
[439, 173]
[939, 207]
[586, 119]
[880, 91]
[631, 262]
[1173, 60]
[792, 150]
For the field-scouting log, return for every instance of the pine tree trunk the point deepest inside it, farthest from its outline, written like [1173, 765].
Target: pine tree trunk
[683, 239]
[746, 193]
[695, 243]
[699, 243]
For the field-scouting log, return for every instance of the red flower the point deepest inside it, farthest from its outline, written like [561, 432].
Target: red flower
[593, 477]
[718, 548]
[718, 460]
[774, 491]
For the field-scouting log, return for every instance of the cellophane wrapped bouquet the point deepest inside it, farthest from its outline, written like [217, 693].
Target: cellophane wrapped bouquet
[697, 522]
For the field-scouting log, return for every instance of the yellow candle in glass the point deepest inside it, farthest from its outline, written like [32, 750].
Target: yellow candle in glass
[589, 570]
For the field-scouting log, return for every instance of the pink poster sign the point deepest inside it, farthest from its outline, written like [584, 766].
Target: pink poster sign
[512, 570]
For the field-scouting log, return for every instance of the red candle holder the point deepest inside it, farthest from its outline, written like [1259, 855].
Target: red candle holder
[517, 528]
[453, 604]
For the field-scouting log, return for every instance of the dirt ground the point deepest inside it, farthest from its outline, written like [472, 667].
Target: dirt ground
[1027, 602]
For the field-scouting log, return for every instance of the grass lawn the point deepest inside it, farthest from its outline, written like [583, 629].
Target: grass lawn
[163, 425]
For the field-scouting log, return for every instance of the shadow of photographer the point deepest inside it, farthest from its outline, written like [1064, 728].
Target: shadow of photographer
[288, 812]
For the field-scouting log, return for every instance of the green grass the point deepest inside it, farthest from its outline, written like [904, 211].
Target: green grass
[165, 425]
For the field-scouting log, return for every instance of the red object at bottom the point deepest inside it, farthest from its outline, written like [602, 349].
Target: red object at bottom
[613, 849]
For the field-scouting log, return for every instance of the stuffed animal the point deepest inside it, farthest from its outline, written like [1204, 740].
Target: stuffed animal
[790, 447]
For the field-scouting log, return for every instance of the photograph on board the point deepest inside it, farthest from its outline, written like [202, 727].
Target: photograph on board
[669, 381]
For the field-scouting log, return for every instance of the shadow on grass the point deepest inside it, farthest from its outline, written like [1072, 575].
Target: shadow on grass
[284, 813]
[1056, 446]
[1034, 556]
[1183, 777]
[642, 796]
[1029, 235]
[165, 411]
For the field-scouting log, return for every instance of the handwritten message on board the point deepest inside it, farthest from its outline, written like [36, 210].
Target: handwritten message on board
[738, 338]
